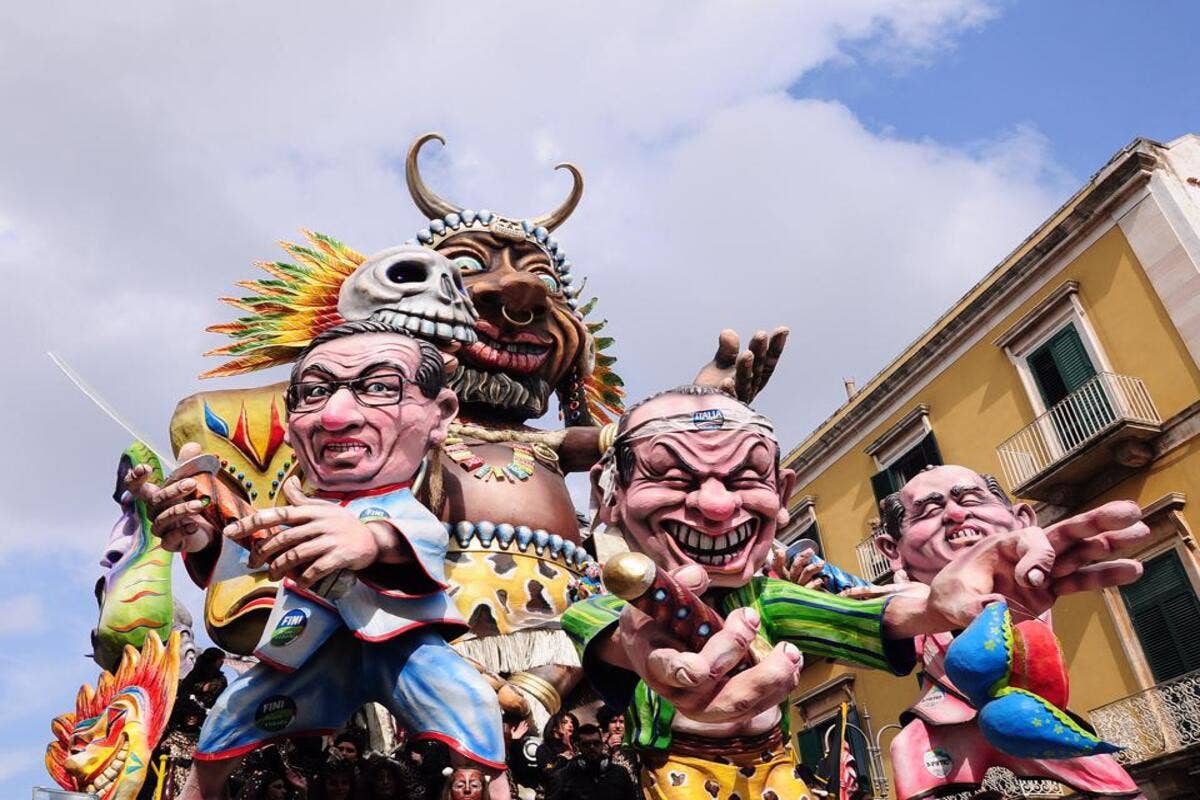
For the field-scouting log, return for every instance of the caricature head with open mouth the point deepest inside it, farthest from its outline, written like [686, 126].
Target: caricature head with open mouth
[694, 478]
[941, 513]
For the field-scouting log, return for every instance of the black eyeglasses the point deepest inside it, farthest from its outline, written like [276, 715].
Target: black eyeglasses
[379, 389]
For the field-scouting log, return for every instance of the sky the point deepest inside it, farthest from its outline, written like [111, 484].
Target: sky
[845, 168]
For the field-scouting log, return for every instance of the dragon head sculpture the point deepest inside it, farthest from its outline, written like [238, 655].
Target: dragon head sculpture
[104, 746]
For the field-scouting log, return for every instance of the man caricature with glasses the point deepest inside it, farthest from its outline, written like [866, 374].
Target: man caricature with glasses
[362, 613]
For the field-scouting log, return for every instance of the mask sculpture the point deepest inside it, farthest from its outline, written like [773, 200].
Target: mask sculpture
[515, 560]
[361, 614]
[702, 647]
[104, 746]
[135, 592]
[992, 695]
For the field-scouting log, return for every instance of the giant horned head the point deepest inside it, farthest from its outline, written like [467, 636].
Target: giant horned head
[531, 333]
[499, 289]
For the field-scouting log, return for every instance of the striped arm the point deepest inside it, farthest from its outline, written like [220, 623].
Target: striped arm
[824, 624]
[587, 621]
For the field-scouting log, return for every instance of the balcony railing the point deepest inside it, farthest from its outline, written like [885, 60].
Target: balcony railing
[871, 562]
[1002, 783]
[1101, 404]
[1161, 720]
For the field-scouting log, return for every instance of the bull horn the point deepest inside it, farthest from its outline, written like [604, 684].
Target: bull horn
[559, 215]
[432, 206]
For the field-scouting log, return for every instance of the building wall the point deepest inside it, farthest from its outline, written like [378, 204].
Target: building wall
[977, 401]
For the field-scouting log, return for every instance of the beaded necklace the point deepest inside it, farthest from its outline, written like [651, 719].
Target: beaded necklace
[520, 468]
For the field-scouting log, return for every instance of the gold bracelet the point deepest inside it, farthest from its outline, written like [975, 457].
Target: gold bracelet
[608, 435]
[539, 689]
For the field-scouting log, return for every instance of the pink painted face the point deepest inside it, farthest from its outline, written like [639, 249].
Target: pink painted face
[348, 445]
[712, 498]
[466, 784]
[947, 510]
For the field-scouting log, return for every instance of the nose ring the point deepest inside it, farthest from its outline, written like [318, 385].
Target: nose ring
[519, 323]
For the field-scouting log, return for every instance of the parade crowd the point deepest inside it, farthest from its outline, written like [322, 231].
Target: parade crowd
[569, 759]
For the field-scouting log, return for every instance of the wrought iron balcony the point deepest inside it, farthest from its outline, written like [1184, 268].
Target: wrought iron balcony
[872, 564]
[1106, 420]
[1162, 720]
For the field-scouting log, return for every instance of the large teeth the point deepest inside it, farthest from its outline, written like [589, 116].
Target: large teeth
[705, 549]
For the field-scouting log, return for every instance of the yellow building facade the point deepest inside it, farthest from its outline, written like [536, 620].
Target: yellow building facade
[1071, 372]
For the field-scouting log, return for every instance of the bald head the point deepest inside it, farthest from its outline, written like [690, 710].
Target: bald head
[942, 512]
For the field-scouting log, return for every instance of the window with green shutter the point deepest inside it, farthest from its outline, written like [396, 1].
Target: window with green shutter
[1061, 365]
[1062, 369]
[924, 453]
[1165, 613]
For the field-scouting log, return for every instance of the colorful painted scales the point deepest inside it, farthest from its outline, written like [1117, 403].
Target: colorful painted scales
[1016, 677]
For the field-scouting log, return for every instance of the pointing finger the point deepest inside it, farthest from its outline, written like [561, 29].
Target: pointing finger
[287, 538]
[1100, 547]
[1113, 516]
[1099, 576]
[270, 517]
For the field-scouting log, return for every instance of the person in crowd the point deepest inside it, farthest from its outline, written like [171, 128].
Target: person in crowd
[558, 744]
[522, 752]
[335, 781]
[206, 681]
[388, 779]
[590, 774]
[350, 746]
[612, 728]
[177, 744]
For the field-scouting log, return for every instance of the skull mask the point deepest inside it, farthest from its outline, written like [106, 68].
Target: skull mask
[412, 288]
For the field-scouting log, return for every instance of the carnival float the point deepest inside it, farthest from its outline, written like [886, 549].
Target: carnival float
[386, 530]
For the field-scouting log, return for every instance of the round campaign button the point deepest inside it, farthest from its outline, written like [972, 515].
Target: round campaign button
[289, 627]
[275, 713]
[938, 762]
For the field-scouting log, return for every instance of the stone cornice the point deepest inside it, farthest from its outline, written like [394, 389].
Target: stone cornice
[1127, 171]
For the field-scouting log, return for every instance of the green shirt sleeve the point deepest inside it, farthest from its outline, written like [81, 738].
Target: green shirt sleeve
[588, 622]
[825, 624]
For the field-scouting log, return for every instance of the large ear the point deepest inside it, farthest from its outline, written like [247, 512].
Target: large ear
[608, 511]
[446, 405]
[786, 482]
[885, 544]
[1025, 514]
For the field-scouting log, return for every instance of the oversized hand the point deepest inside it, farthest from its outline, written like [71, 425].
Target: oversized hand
[318, 537]
[800, 570]
[743, 375]
[1031, 568]
[177, 520]
[700, 684]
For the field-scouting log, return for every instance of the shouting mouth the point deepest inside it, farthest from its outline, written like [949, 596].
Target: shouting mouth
[704, 548]
[343, 450]
[521, 353]
[962, 536]
[110, 770]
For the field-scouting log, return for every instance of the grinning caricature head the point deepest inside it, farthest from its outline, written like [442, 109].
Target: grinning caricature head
[366, 401]
[940, 514]
[531, 335]
[694, 478]
[104, 747]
